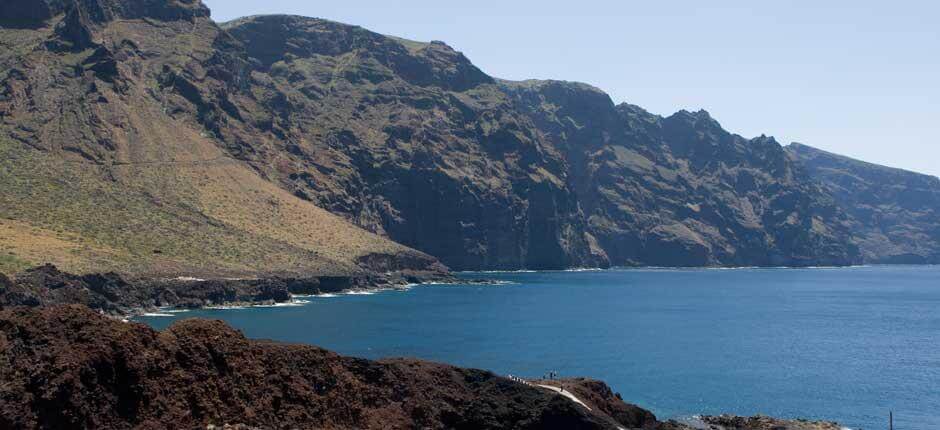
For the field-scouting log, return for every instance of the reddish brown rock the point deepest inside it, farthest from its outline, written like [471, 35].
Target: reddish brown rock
[69, 367]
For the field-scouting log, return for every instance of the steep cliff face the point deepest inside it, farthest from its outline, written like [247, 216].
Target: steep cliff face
[895, 214]
[682, 191]
[412, 141]
[489, 174]
[407, 140]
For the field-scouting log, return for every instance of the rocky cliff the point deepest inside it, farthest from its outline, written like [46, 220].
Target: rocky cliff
[238, 134]
[895, 214]
[413, 142]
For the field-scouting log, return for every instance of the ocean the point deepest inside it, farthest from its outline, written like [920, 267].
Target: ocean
[843, 344]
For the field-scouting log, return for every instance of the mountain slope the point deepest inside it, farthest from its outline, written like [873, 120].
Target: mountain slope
[895, 213]
[410, 140]
[99, 173]
[219, 144]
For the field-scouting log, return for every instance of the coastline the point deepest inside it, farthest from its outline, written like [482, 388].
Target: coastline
[685, 268]
[118, 297]
[300, 299]
[180, 373]
[115, 296]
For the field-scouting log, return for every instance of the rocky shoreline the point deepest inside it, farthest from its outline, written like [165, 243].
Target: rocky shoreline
[55, 323]
[113, 295]
[71, 367]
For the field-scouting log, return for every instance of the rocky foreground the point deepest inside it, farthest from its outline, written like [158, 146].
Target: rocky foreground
[112, 294]
[71, 367]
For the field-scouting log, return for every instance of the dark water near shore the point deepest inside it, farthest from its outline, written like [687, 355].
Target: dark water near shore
[842, 344]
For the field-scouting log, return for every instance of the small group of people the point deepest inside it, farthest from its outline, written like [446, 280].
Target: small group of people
[551, 375]
[518, 379]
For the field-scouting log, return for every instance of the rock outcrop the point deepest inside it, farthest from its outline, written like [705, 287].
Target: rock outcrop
[731, 422]
[597, 395]
[113, 295]
[68, 367]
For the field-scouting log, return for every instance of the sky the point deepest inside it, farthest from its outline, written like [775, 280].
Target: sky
[859, 78]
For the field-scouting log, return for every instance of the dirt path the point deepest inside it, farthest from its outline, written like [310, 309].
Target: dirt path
[566, 394]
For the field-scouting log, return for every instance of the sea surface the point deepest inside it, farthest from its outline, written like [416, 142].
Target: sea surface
[848, 344]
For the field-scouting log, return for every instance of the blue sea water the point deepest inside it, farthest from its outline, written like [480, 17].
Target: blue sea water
[844, 344]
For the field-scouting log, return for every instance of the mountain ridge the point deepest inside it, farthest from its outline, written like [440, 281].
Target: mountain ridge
[98, 175]
[412, 142]
[895, 209]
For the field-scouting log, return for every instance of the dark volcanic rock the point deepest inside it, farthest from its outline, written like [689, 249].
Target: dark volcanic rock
[731, 422]
[84, 16]
[598, 395]
[276, 38]
[895, 213]
[67, 367]
[102, 11]
[46, 285]
[502, 175]
[111, 294]
[28, 13]
[441, 175]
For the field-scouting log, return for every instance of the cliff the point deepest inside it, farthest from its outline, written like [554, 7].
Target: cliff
[895, 214]
[144, 137]
[411, 141]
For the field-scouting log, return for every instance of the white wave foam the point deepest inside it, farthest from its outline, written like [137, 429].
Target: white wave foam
[360, 293]
[227, 307]
[156, 314]
[290, 304]
[496, 283]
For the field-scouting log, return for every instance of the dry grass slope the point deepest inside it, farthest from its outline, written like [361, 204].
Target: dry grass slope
[175, 217]
[98, 173]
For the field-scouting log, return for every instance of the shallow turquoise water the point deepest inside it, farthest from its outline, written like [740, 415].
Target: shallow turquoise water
[843, 344]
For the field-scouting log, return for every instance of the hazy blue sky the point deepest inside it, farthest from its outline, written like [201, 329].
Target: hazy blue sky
[861, 78]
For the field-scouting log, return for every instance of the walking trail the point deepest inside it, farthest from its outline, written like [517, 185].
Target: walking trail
[566, 394]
